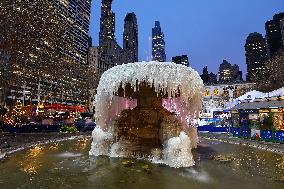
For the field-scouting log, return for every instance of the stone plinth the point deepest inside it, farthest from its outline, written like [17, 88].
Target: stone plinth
[148, 125]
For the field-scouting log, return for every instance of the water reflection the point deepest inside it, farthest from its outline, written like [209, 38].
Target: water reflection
[258, 162]
[82, 144]
[31, 163]
[54, 147]
[68, 165]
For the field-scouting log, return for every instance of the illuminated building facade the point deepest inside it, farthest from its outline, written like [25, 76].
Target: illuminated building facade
[77, 15]
[93, 59]
[183, 60]
[158, 43]
[218, 96]
[4, 63]
[93, 74]
[229, 73]
[48, 50]
[130, 37]
[273, 34]
[107, 22]
[110, 53]
[256, 56]
[282, 29]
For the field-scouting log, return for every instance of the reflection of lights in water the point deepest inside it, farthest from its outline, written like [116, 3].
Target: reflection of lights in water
[36, 151]
[227, 158]
[280, 163]
[30, 169]
[54, 146]
[259, 163]
[82, 143]
[31, 164]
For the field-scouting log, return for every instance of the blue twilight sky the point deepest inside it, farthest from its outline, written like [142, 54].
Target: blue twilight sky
[206, 30]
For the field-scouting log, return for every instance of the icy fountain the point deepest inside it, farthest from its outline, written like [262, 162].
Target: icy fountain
[147, 110]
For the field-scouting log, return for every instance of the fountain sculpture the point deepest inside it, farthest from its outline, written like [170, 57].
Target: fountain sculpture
[147, 110]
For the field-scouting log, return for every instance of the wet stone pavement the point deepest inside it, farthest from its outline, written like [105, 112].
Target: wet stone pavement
[10, 142]
[228, 138]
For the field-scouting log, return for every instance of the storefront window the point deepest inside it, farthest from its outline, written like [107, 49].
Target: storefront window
[278, 121]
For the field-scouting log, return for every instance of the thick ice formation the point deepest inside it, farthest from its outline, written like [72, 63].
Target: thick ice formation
[168, 78]
[101, 142]
[177, 152]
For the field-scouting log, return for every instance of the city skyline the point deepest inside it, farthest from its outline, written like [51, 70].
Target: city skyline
[199, 42]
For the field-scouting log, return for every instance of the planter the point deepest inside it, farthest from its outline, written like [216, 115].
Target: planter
[279, 136]
[266, 135]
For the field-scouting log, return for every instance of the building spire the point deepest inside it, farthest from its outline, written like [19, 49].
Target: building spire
[158, 43]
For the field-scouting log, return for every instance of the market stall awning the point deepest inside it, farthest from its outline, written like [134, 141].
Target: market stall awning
[259, 105]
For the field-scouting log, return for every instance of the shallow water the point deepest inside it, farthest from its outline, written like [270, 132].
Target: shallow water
[67, 165]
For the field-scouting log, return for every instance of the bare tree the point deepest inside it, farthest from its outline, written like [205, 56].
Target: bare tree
[273, 76]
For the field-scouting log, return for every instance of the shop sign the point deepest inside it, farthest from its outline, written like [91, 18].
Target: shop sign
[206, 93]
[253, 116]
[234, 111]
[279, 110]
[216, 92]
[264, 111]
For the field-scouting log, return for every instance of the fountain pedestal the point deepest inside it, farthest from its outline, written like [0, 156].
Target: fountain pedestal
[147, 126]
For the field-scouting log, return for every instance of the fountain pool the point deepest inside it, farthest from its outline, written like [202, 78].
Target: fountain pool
[68, 165]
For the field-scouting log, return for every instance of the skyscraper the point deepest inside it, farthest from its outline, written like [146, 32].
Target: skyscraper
[4, 67]
[205, 75]
[110, 53]
[158, 43]
[237, 74]
[273, 34]
[93, 72]
[183, 59]
[77, 15]
[93, 60]
[130, 36]
[282, 29]
[229, 73]
[256, 56]
[48, 50]
[225, 72]
[107, 22]
[208, 78]
[212, 78]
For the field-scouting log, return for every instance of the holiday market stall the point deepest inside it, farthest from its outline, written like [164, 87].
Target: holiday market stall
[41, 118]
[260, 119]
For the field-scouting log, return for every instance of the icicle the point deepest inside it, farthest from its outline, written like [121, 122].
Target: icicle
[167, 78]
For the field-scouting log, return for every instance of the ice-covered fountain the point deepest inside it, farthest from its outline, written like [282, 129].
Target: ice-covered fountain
[147, 110]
